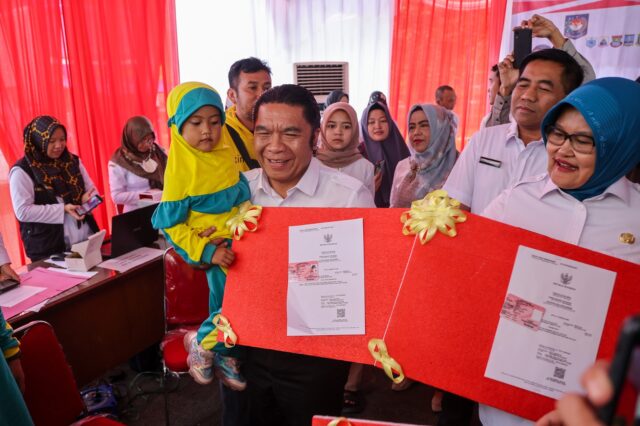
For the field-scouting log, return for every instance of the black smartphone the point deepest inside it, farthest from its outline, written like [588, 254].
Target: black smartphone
[8, 284]
[521, 45]
[378, 167]
[628, 340]
[89, 205]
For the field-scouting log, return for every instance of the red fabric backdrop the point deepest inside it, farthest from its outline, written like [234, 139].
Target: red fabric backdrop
[92, 64]
[453, 42]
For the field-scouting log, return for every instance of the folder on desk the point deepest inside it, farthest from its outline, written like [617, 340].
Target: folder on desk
[86, 254]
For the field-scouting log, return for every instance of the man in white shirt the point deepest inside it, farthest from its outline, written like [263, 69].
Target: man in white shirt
[287, 388]
[500, 156]
[506, 76]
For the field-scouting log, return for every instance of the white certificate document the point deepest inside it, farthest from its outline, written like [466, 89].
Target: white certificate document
[325, 295]
[132, 259]
[550, 323]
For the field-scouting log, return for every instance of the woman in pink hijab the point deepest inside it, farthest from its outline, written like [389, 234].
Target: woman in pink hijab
[338, 144]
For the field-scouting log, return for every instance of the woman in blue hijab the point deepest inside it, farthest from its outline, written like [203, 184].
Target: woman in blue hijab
[593, 140]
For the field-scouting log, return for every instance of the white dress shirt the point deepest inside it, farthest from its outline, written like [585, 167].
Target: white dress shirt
[538, 205]
[475, 183]
[23, 198]
[4, 256]
[362, 170]
[126, 187]
[320, 186]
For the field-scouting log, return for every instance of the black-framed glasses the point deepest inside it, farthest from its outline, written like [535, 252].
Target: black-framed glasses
[579, 143]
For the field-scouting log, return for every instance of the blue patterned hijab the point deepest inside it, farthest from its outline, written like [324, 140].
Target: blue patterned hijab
[611, 108]
[436, 162]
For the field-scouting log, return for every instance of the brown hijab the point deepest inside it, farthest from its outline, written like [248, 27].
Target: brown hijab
[128, 156]
[325, 152]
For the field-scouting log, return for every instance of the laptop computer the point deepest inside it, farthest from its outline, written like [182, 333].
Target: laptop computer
[131, 230]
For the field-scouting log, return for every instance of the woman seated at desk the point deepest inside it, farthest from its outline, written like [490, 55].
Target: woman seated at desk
[137, 166]
[47, 185]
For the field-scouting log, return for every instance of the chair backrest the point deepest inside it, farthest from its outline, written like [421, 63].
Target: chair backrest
[186, 292]
[51, 392]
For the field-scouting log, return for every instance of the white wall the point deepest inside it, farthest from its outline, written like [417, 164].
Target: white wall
[214, 34]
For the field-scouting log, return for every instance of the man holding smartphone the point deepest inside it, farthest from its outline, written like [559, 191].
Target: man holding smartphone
[541, 27]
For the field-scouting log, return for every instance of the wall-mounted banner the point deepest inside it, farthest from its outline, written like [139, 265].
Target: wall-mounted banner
[606, 32]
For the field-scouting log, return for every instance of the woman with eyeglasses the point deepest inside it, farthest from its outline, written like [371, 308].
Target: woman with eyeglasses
[137, 166]
[593, 140]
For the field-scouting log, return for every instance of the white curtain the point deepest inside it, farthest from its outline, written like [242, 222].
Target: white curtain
[286, 31]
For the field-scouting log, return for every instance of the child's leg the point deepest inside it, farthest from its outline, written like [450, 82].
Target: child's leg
[225, 360]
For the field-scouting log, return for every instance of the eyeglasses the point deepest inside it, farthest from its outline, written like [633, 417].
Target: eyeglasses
[582, 144]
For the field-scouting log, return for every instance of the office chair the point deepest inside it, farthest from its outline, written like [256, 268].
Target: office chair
[51, 392]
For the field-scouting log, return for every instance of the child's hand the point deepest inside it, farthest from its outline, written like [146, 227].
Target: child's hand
[223, 257]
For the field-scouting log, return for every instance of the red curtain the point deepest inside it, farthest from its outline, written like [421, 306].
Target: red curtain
[452, 42]
[92, 64]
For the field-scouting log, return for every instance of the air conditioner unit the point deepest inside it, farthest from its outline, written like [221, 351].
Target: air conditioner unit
[321, 78]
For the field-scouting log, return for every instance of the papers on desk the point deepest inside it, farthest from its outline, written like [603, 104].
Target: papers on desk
[62, 268]
[36, 286]
[132, 259]
[550, 324]
[325, 295]
[19, 294]
[78, 274]
[58, 263]
[51, 278]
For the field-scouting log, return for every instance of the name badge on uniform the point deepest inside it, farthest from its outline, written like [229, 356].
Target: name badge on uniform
[490, 162]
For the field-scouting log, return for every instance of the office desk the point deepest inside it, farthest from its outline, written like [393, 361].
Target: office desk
[104, 321]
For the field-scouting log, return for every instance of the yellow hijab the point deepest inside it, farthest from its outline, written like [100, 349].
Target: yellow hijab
[191, 172]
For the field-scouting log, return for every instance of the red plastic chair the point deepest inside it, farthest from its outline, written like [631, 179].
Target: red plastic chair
[186, 305]
[51, 392]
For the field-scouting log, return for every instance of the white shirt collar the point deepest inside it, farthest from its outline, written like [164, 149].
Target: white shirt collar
[621, 189]
[307, 184]
[514, 136]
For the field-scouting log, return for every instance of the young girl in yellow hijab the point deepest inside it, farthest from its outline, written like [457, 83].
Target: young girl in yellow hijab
[202, 189]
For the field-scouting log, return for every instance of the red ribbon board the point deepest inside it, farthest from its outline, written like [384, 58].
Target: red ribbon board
[447, 311]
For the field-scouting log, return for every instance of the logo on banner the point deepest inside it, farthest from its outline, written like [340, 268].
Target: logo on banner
[616, 41]
[575, 26]
[629, 39]
[604, 41]
[592, 42]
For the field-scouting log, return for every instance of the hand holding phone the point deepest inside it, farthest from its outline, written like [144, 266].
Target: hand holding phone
[521, 45]
[93, 202]
[628, 340]
[8, 284]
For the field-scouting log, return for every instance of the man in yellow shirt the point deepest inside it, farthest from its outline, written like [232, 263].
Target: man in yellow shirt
[248, 79]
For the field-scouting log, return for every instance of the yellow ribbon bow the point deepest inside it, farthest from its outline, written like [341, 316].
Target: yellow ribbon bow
[379, 352]
[338, 421]
[246, 220]
[229, 336]
[435, 212]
